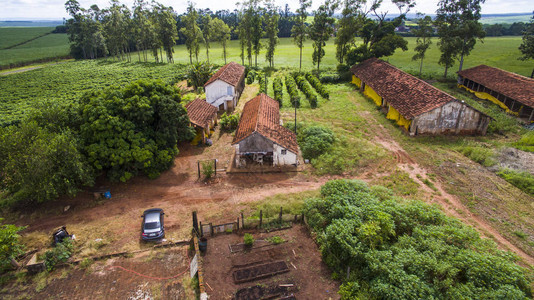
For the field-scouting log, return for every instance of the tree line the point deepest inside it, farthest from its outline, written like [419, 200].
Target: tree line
[117, 30]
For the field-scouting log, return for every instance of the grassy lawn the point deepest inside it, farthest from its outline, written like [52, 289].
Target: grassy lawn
[15, 35]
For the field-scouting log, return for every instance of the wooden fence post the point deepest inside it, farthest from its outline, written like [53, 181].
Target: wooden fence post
[211, 229]
[242, 221]
[198, 166]
[201, 230]
[215, 163]
[261, 217]
[195, 222]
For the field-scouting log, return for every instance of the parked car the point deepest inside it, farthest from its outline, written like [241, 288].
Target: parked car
[152, 227]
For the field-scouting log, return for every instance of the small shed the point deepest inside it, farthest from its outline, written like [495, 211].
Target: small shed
[512, 92]
[260, 139]
[224, 88]
[414, 104]
[202, 116]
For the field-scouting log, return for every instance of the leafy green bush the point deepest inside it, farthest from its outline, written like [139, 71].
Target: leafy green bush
[526, 143]
[207, 169]
[263, 83]
[59, 254]
[229, 122]
[10, 246]
[133, 129]
[305, 87]
[293, 92]
[315, 140]
[483, 156]
[248, 239]
[199, 73]
[522, 180]
[250, 77]
[406, 250]
[278, 90]
[276, 240]
[317, 85]
[38, 165]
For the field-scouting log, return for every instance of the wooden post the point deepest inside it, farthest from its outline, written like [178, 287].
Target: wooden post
[215, 162]
[198, 166]
[195, 222]
[211, 229]
[280, 216]
[261, 217]
[237, 224]
[242, 221]
[201, 230]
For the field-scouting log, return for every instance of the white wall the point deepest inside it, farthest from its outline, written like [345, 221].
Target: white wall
[289, 158]
[216, 90]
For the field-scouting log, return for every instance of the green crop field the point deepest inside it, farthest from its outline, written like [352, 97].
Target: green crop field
[67, 81]
[11, 36]
[46, 47]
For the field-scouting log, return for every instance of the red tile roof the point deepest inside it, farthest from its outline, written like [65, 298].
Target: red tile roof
[231, 73]
[262, 115]
[511, 85]
[409, 95]
[200, 112]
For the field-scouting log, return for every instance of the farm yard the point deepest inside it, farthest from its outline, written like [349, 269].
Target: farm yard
[365, 180]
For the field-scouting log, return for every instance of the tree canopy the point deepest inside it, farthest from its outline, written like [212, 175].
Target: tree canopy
[527, 46]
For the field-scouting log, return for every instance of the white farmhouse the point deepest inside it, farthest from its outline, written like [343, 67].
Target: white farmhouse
[260, 139]
[225, 87]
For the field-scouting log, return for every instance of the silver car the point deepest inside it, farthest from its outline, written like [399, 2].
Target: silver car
[152, 227]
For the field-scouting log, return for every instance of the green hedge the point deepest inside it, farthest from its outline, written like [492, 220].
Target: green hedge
[278, 89]
[317, 85]
[293, 92]
[263, 83]
[305, 87]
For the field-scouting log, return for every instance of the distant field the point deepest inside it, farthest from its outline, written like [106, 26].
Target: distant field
[505, 19]
[66, 82]
[13, 36]
[46, 47]
[31, 23]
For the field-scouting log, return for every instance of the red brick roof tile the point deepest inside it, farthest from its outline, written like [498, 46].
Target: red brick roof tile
[262, 115]
[231, 73]
[200, 112]
[511, 85]
[409, 95]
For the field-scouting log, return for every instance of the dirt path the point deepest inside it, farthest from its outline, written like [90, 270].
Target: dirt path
[29, 68]
[451, 205]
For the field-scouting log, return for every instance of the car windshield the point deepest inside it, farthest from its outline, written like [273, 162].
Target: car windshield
[152, 225]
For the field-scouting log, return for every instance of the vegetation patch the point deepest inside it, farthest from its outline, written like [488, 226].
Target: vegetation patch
[400, 183]
[522, 180]
[526, 143]
[387, 249]
[481, 155]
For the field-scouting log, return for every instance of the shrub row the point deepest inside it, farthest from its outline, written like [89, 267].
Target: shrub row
[306, 88]
[263, 83]
[292, 91]
[278, 90]
[250, 77]
[317, 85]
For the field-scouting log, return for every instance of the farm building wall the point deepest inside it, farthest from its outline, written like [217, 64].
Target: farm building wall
[255, 143]
[220, 92]
[289, 158]
[452, 118]
[357, 81]
[369, 92]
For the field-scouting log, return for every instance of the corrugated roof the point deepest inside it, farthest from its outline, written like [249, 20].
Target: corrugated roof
[262, 115]
[511, 85]
[409, 95]
[231, 73]
[201, 112]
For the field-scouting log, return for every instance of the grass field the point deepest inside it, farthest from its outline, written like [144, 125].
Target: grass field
[14, 35]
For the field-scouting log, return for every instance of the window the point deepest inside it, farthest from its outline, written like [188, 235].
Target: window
[284, 152]
[229, 90]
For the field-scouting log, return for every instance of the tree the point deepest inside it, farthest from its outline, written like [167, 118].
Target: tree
[321, 30]
[115, 22]
[39, 165]
[299, 30]
[378, 35]
[256, 28]
[458, 28]
[10, 246]
[423, 33]
[206, 33]
[133, 129]
[527, 46]
[271, 30]
[192, 32]
[144, 29]
[199, 73]
[347, 27]
[221, 33]
[165, 29]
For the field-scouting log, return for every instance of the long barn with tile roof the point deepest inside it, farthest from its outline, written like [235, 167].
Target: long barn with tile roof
[414, 104]
[512, 92]
[260, 139]
[224, 88]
